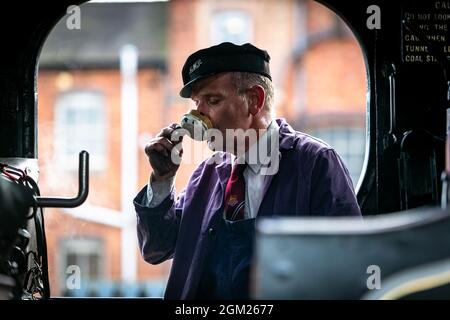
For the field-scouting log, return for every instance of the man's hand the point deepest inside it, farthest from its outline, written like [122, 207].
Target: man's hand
[159, 151]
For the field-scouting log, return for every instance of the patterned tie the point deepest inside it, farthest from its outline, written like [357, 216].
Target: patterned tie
[235, 193]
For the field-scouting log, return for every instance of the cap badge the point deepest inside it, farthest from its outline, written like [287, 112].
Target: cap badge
[195, 66]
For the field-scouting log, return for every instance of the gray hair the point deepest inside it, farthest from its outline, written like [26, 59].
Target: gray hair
[245, 80]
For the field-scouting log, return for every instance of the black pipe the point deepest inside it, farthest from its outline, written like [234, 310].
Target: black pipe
[83, 188]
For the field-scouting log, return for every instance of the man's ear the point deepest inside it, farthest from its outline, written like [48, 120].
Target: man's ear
[256, 96]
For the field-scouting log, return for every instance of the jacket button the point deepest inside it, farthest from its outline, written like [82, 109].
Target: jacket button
[211, 231]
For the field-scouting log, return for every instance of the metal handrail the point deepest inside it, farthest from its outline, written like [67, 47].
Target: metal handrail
[83, 188]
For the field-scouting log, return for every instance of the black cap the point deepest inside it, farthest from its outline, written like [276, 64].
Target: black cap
[222, 58]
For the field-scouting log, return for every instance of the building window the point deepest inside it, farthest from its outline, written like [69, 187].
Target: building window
[85, 254]
[231, 26]
[349, 143]
[80, 125]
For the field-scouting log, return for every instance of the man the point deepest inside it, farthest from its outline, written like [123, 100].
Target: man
[208, 229]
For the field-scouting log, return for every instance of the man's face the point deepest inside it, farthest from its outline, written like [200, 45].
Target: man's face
[217, 97]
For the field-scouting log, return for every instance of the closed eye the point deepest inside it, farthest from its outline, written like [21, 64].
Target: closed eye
[213, 101]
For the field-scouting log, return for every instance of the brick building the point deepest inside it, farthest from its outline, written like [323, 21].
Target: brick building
[93, 96]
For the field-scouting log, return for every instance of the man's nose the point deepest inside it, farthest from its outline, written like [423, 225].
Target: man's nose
[202, 108]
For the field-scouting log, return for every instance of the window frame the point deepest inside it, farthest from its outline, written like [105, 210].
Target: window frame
[65, 160]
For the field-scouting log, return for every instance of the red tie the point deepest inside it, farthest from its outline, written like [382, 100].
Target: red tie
[235, 193]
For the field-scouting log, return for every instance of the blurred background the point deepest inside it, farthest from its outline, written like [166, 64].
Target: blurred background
[109, 81]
